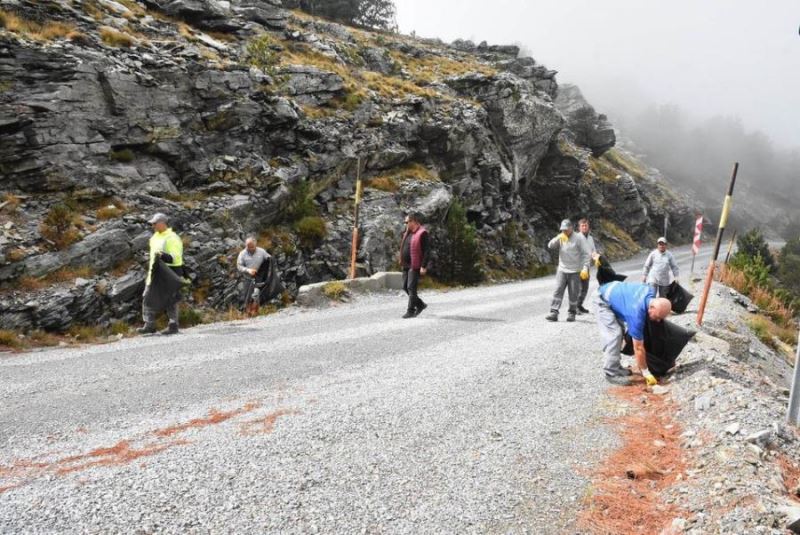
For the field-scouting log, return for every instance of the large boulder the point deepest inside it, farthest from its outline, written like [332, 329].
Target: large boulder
[590, 129]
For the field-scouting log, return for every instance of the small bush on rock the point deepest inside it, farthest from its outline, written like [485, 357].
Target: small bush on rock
[334, 290]
[310, 229]
[60, 226]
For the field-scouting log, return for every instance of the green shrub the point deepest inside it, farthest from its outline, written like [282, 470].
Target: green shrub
[189, 317]
[120, 327]
[334, 290]
[460, 258]
[789, 267]
[261, 54]
[750, 245]
[310, 229]
[300, 203]
[122, 155]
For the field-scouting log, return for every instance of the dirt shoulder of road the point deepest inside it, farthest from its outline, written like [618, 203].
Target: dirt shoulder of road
[709, 449]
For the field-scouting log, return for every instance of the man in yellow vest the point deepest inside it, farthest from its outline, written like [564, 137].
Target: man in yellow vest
[166, 245]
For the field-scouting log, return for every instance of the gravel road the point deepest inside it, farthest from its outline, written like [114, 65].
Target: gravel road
[476, 417]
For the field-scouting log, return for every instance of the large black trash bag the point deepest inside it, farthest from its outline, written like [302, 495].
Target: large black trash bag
[164, 286]
[606, 273]
[679, 297]
[267, 280]
[663, 342]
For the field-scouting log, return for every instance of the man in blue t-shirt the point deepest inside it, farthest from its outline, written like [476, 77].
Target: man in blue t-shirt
[631, 303]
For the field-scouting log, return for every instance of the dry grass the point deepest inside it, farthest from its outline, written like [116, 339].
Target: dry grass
[9, 340]
[109, 212]
[391, 87]
[383, 183]
[602, 170]
[764, 298]
[46, 31]
[625, 494]
[16, 254]
[115, 38]
[430, 69]
[629, 165]
[392, 179]
[618, 243]
[66, 274]
[12, 203]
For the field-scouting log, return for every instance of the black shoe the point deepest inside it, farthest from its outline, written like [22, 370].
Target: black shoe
[582, 310]
[618, 380]
[172, 328]
[408, 314]
[420, 308]
[571, 316]
[553, 316]
[148, 328]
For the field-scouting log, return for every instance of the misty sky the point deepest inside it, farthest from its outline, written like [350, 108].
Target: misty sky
[728, 57]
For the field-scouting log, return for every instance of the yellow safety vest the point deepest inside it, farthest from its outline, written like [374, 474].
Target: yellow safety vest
[165, 242]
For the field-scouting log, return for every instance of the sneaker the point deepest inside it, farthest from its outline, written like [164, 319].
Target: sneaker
[419, 310]
[571, 316]
[553, 316]
[408, 314]
[582, 310]
[618, 380]
[172, 328]
[147, 329]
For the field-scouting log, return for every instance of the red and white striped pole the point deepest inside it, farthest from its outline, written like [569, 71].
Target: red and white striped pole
[698, 232]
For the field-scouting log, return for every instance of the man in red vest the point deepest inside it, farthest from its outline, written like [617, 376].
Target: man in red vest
[415, 251]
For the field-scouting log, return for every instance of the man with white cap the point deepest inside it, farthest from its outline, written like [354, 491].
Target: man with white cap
[166, 245]
[658, 266]
[573, 266]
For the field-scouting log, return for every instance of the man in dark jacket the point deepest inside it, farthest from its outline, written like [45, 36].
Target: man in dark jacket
[415, 251]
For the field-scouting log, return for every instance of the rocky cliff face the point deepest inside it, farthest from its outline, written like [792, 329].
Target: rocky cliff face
[241, 118]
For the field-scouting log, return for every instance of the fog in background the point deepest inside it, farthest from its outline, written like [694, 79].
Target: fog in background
[696, 85]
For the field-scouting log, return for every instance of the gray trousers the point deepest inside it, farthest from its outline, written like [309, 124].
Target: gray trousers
[564, 281]
[584, 291]
[611, 335]
[661, 291]
[149, 315]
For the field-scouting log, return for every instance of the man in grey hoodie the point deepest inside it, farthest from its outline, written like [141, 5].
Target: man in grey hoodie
[573, 266]
[657, 268]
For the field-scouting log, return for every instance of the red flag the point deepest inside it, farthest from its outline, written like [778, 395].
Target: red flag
[698, 231]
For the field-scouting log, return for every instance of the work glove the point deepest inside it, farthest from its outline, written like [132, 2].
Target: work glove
[563, 238]
[166, 257]
[584, 274]
[650, 379]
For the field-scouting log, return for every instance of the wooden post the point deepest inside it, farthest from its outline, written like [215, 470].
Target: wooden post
[723, 220]
[356, 204]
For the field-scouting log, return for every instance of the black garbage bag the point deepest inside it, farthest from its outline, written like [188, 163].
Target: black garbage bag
[266, 284]
[663, 342]
[164, 286]
[679, 297]
[606, 273]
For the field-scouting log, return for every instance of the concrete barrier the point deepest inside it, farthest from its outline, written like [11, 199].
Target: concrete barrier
[312, 294]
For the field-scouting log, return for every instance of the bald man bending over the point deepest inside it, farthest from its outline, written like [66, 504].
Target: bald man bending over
[631, 304]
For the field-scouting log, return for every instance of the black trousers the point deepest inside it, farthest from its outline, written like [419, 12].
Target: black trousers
[410, 282]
